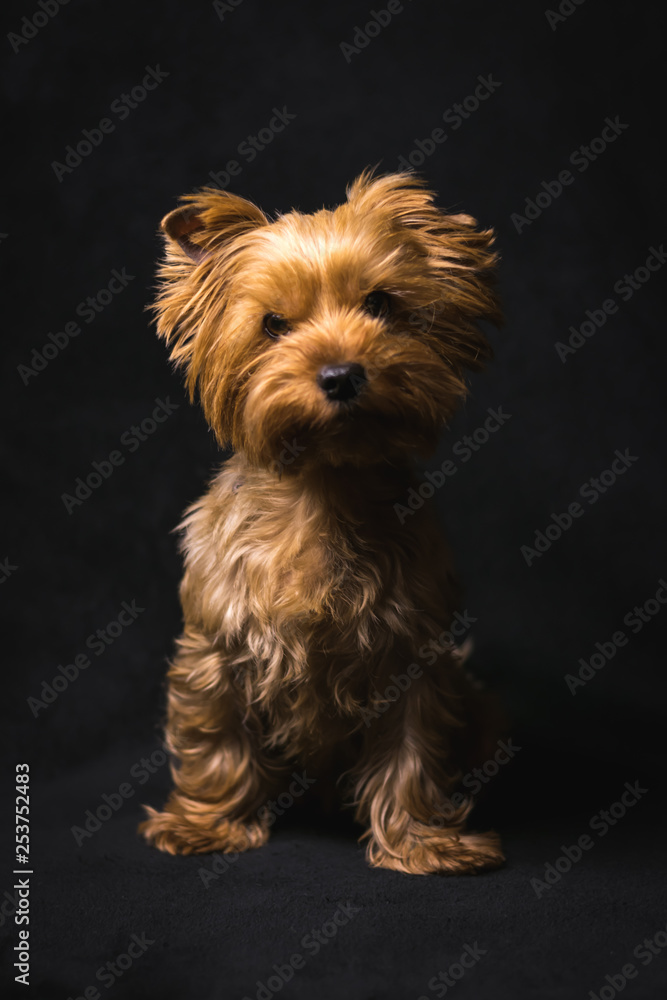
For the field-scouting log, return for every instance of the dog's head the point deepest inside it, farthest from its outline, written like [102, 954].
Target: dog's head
[347, 332]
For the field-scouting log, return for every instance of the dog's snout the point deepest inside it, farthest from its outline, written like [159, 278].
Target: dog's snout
[342, 383]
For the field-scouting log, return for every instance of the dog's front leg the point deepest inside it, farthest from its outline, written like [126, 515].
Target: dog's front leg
[402, 783]
[220, 778]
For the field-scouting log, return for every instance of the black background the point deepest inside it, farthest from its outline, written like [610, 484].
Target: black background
[61, 241]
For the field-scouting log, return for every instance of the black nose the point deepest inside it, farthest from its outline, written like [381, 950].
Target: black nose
[342, 382]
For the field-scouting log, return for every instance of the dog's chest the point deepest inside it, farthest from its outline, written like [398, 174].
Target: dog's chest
[321, 582]
[285, 569]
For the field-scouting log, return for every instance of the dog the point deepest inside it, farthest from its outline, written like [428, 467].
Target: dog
[305, 596]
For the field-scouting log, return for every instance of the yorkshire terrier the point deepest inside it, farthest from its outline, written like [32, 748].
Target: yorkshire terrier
[305, 596]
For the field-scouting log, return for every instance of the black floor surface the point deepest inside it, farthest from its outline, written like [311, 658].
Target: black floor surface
[306, 917]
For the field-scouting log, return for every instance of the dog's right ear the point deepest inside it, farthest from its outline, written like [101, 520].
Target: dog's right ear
[203, 236]
[179, 225]
[207, 220]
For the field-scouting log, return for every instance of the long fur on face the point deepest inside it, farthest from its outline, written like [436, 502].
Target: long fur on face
[316, 271]
[304, 596]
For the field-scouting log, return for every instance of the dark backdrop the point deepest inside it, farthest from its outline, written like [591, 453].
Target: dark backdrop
[72, 219]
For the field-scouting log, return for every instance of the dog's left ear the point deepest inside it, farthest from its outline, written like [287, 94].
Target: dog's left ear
[208, 219]
[459, 252]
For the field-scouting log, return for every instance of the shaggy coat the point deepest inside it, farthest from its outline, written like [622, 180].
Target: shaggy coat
[305, 596]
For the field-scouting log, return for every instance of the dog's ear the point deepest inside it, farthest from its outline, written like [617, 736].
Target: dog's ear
[405, 198]
[208, 219]
[179, 224]
[459, 252]
[203, 236]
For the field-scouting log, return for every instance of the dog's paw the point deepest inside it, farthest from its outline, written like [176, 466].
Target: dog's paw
[443, 852]
[177, 834]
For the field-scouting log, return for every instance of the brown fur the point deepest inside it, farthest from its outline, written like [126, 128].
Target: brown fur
[303, 593]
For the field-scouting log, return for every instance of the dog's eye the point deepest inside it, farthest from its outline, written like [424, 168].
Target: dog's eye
[275, 326]
[377, 304]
